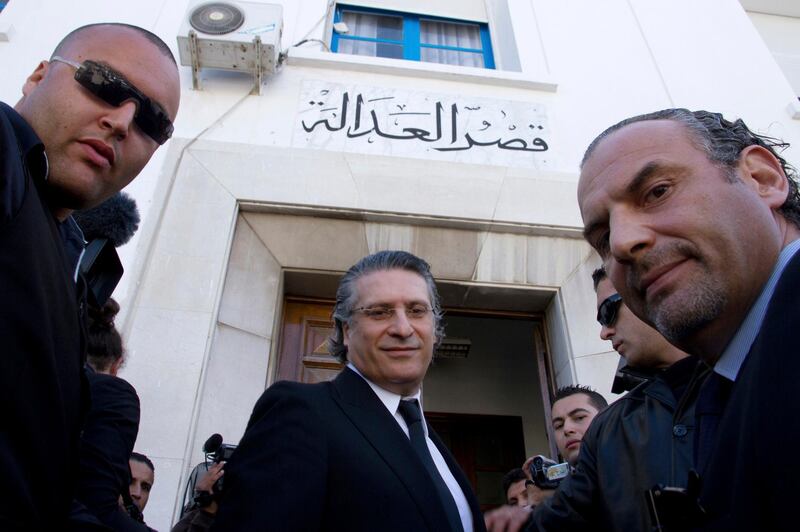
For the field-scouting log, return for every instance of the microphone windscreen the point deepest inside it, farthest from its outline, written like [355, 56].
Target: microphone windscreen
[116, 219]
[213, 443]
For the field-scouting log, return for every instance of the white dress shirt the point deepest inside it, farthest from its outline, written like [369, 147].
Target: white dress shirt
[391, 401]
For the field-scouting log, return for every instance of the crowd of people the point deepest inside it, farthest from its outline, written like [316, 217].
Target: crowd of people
[696, 220]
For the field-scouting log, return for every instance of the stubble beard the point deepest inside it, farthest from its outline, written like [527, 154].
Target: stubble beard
[681, 316]
[684, 312]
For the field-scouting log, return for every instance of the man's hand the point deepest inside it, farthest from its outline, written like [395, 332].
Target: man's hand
[207, 484]
[507, 518]
[537, 495]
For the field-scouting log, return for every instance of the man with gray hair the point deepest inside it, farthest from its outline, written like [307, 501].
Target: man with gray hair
[697, 219]
[356, 453]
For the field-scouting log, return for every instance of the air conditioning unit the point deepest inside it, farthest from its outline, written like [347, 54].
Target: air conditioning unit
[236, 36]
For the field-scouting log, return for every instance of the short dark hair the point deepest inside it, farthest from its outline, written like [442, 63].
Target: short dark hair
[598, 275]
[722, 141]
[515, 475]
[139, 457]
[103, 341]
[346, 293]
[595, 399]
[150, 36]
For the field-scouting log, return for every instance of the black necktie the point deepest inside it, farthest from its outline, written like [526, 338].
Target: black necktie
[413, 417]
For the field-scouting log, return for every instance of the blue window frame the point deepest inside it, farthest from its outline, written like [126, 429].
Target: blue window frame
[382, 33]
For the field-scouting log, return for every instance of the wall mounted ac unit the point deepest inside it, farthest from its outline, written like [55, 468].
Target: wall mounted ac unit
[231, 35]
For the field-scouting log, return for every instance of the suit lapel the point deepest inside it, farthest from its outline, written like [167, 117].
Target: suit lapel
[380, 429]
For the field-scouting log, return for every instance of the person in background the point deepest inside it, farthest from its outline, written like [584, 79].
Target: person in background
[143, 476]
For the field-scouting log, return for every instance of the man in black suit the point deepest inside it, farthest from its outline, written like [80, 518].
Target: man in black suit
[356, 453]
[698, 221]
[88, 121]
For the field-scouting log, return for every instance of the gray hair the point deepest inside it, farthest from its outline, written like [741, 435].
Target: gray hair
[346, 296]
[723, 142]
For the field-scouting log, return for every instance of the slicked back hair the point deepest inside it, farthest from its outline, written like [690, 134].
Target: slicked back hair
[139, 457]
[595, 399]
[723, 142]
[346, 296]
[150, 36]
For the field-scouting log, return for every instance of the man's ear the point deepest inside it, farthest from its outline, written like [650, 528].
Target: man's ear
[346, 334]
[35, 78]
[766, 175]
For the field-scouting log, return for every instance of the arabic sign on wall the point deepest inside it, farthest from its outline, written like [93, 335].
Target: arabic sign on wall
[405, 123]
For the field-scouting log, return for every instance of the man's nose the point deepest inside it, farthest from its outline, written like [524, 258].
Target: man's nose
[629, 235]
[400, 324]
[120, 119]
[607, 332]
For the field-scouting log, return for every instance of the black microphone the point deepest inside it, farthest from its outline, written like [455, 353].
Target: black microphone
[212, 444]
[116, 219]
[106, 226]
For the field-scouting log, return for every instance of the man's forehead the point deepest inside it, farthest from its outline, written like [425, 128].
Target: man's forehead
[568, 404]
[396, 283]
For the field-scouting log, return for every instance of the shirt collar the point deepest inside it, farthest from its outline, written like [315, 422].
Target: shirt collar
[390, 399]
[735, 353]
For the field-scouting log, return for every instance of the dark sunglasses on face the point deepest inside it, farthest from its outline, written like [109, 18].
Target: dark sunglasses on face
[115, 90]
[609, 308]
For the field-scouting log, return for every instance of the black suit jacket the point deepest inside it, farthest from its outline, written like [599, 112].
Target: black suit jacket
[329, 456]
[751, 478]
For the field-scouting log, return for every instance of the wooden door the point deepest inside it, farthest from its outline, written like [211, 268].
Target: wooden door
[303, 352]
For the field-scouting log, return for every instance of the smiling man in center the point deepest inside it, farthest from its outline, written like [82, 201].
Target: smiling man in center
[356, 453]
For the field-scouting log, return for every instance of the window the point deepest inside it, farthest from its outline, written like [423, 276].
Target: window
[380, 33]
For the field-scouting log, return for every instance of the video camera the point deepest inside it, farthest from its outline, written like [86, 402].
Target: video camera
[215, 452]
[546, 473]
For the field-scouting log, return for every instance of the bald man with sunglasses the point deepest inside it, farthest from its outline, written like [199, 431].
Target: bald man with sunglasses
[88, 121]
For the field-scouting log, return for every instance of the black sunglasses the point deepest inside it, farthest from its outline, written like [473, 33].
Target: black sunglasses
[114, 89]
[609, 308]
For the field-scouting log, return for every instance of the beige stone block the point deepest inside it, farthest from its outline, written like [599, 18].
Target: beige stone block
[250, 293]
[382, 236]
[532, 197]
[417, 186]
[558, 340]
[182, 282]
[502, 258]
[236, 376]
[306, 242]
[280, 174]
[166, 349]
[550, 260]
[452, 253]
[580, 305]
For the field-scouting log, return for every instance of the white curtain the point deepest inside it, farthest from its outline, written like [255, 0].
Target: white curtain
[371, 26]
[450, 34]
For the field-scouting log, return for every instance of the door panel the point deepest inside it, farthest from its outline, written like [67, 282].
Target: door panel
[303, 352]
